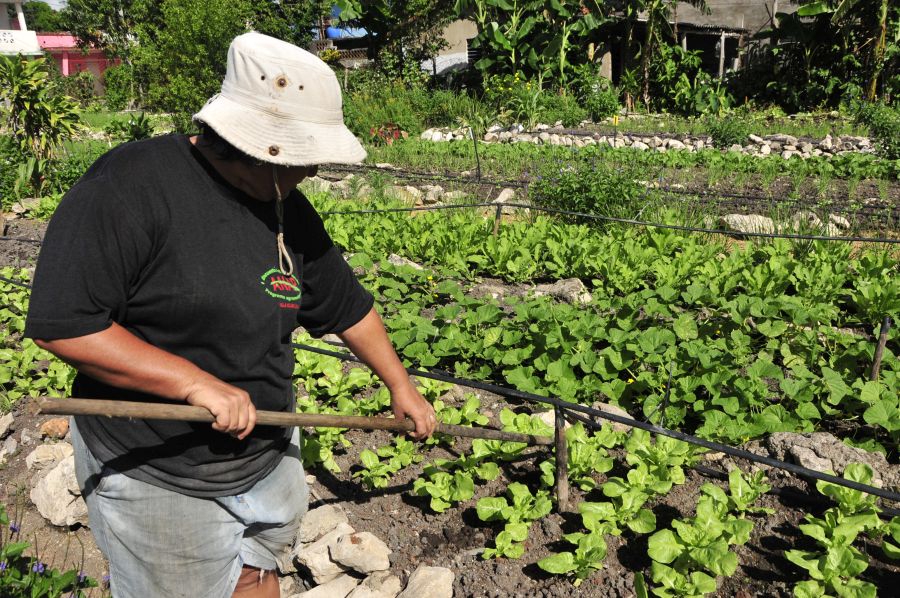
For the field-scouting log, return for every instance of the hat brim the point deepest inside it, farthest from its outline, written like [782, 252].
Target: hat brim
[284, 141]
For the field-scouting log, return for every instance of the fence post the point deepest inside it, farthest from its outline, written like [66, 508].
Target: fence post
[497, 213]
[477, 158]
[879, 348]
[562, 462]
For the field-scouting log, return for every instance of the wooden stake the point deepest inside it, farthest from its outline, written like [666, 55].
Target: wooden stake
[497, 214]
[169, 411]
[562, 463]
[879, 348]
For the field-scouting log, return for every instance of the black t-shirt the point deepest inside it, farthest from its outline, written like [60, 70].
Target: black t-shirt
[152, 238]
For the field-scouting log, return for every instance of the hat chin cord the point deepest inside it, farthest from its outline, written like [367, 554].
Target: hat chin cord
[283, 255]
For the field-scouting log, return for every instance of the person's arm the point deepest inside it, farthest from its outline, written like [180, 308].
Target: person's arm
[369, 341]
[116, 357]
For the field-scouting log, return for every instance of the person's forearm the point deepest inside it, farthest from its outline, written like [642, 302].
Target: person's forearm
[369, 341]
[118, 358]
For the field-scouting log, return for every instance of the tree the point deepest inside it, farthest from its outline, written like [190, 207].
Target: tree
[871, 16]
[409, 31]
[110, 25]
[290, 20]
[657, 30]
[184, 61]
[40, 16]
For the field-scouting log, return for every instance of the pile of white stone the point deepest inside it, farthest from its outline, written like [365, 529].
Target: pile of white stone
[353, 185]
[778, 144]
[350, 564]
[341, 561]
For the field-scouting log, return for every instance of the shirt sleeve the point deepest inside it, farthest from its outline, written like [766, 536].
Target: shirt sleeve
[91, 257]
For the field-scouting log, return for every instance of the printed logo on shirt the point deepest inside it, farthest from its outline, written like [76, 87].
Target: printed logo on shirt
[282, 287]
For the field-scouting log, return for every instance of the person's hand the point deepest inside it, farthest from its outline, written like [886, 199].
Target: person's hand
[407, 402]
[234, 412]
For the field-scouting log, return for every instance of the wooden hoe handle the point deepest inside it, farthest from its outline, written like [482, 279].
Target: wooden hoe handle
[189, 413]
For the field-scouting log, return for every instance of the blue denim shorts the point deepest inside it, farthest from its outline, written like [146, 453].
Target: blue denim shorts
[162, 543]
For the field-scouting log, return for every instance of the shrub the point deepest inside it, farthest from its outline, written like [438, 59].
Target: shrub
[884, 126]
[65, 172]
[596, 93]
[554, 108]
[138, 126]
[32, 109]
[728, 130]
[80, 87]
[591, 183]
[119, 83]
[374, 106]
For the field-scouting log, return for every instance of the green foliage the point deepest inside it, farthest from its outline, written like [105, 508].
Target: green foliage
[589, 554]
[595, 93]
[402, 34]
[120, 86]
[79, 86]
[561, 108]
[536, 38]
[380, 465]
[136, 127]
[25, 369]
[41, 17]
[517, 512]
[185, 60]
[32, 110]
[835, 568]
[23, 576]
[728, 130]
[884, 124]
[590, 185]
[687, 560]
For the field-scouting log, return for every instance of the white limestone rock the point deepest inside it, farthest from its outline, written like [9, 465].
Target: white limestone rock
[6, 421]
[380, 584]
[505, 196]
[318, 522]
[361, 551]
[58, 498]
[47, 455]
[339, 587]
[752, 223]
[317, 557]
[570, 290]
[430, 582]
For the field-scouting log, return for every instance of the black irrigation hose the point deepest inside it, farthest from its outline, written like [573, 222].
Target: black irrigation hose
[572, 407]
[622, 221]
[17, 283]
[21, 240]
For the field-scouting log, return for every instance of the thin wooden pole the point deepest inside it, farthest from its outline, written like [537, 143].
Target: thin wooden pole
[562, 463]
[168, 411]
[879, 348]
[497, 213]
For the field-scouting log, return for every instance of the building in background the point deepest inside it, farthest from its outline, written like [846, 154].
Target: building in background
[71, 60]
[15, 38]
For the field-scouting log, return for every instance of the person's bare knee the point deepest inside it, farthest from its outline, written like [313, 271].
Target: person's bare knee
[256, 583]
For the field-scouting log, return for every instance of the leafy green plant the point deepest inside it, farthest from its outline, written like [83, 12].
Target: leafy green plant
[137, 126]
[383, 463]
[517, 513]
[683, 559]
[728, 130]
[835, 568]
[450, 481]
[588, 556]
[37, 116]
[23, 576]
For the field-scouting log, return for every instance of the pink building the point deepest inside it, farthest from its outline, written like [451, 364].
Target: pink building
[71, 59]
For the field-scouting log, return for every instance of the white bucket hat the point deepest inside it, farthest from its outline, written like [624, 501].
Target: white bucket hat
[281, 104]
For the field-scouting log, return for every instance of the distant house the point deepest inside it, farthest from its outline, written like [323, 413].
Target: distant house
[63, 49]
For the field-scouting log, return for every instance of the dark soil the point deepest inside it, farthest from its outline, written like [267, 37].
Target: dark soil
[19, 252]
